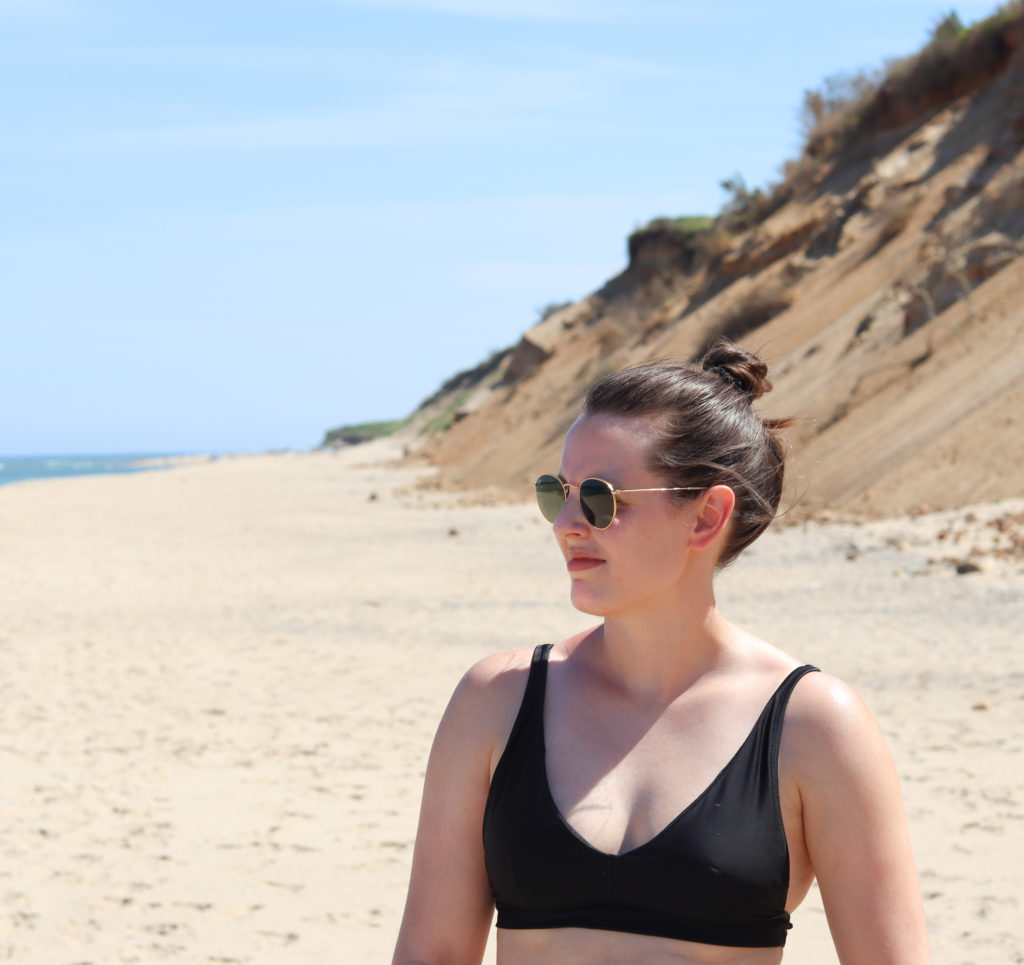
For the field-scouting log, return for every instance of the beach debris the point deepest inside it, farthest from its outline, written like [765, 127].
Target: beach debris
[982, 704]
[453, 531]
[963, 567]
[998, 538]
[372, 498]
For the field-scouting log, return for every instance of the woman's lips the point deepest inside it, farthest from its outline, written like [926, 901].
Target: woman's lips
[578, 563]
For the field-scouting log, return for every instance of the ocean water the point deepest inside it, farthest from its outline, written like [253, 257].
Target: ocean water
[19, 468]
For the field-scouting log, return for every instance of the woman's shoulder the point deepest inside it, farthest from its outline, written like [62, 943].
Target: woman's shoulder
[829, 728]
[485, 702]
[495, 680]
[823, 700]
[503, 675]
[488, 697]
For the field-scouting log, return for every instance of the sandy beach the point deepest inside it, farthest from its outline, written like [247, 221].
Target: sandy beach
[219, 682]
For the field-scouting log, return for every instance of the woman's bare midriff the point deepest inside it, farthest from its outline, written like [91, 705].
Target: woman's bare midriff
[585, 946]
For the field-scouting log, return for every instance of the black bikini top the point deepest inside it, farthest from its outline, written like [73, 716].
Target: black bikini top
[717, 874]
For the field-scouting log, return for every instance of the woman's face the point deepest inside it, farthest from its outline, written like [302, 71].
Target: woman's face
[641, 558]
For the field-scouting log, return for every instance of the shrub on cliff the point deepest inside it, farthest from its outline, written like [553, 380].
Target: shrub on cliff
[955, 60]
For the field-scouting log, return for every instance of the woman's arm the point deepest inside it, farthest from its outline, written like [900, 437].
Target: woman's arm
[449, 906]
[855, 827]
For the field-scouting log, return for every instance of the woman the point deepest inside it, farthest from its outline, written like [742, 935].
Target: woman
[664, 787]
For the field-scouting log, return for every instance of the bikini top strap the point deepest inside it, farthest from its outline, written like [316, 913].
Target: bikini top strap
[537, 681]
[529, 720]
[780, 699]
[777, 712]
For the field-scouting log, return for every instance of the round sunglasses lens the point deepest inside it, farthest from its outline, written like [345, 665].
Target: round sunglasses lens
[598, 502]
[550, 496]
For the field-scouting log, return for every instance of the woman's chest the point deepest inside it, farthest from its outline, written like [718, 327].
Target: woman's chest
[619, 780]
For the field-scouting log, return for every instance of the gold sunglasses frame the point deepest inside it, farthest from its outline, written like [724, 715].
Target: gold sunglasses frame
[614, 493]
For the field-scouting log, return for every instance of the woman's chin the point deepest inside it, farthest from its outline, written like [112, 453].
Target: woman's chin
[587, 602]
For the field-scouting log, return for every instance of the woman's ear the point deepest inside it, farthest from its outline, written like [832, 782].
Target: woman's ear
[713, 512]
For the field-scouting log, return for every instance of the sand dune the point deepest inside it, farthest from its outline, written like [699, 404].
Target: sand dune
[218, 685]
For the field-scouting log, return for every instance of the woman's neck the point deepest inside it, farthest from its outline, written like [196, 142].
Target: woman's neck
[656, 654]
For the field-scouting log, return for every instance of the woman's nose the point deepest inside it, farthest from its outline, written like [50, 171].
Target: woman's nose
[570, 518]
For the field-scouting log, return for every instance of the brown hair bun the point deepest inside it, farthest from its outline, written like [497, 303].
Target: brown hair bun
[743, 371]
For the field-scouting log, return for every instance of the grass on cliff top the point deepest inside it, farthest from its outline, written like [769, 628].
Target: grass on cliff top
[847, 106]
[688, 226]
[689, 230]
[361, 432]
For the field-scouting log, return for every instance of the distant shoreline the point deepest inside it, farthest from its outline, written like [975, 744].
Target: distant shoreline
[14, 469]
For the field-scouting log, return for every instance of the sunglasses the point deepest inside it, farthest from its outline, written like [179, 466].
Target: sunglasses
[597, 498]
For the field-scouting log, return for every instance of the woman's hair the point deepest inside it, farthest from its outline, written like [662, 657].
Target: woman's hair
[706, 432]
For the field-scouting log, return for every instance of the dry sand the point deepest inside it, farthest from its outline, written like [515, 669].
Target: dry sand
[218, 685]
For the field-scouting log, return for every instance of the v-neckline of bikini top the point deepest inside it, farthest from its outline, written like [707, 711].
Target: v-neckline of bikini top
[689, 807]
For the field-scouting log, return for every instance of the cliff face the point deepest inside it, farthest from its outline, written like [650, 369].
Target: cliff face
[885, 289]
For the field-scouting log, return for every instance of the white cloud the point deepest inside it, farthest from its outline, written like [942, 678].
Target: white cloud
[590, 10]
[47, 11]
[434, 103]
[220, 56]
[422, 120]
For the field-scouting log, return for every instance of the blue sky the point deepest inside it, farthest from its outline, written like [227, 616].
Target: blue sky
[232, 225]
